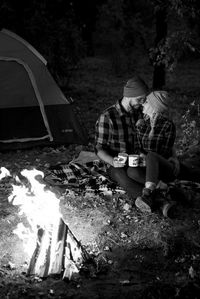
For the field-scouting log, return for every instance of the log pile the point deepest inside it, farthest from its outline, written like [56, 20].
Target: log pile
[57, 252]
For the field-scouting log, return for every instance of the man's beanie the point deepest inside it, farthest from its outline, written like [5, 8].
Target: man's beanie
[135, 87]
[159, 100]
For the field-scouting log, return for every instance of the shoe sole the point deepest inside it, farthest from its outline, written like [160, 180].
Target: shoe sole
[142, 206]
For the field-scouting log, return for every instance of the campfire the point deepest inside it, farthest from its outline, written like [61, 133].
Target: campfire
[47, 239]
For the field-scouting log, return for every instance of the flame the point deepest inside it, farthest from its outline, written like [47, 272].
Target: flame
[48, 242]
[40, 206]
[4, 173]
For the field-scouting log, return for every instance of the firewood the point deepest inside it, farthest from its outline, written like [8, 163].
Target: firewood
[57, 252]
[41, 256]
[71, 270]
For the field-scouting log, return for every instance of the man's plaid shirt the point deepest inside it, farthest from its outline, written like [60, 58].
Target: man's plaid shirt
[162, 138]
[115, 130]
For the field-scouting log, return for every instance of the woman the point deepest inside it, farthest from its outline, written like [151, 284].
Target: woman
[156, 134]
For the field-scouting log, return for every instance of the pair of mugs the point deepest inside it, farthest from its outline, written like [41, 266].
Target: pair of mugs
[133, 160]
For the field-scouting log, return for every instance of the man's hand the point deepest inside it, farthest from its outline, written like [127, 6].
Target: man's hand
[176, 164]
[118, 162]
[107, 158]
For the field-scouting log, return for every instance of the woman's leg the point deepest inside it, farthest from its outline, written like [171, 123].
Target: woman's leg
[158, 168]
[189, 173]
[119, 175]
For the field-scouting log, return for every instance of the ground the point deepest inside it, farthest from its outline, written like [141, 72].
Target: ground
[133, 255]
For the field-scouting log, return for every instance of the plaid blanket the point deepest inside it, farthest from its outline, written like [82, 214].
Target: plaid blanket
[90, 177]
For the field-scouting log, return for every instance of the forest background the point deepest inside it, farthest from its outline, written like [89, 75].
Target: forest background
[93, 47]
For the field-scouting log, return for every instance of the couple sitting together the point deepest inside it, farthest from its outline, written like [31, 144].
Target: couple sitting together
[140, 123]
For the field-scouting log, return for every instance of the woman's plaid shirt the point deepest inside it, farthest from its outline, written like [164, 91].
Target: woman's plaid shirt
[115, 130]
[161, 139]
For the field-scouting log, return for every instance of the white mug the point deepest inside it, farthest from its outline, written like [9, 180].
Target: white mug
[133, 160]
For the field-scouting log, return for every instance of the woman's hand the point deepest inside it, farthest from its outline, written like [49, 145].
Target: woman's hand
[176, 164]
[118, 162]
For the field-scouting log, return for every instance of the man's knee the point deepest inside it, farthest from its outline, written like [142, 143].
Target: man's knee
[117, 174]
[137, 174]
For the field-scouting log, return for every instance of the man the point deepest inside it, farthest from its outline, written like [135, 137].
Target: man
[116, 133]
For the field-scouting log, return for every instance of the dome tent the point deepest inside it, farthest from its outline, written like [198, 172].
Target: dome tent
[33, 109]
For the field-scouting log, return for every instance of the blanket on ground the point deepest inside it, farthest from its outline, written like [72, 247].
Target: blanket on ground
[90, 177]
[88, 173]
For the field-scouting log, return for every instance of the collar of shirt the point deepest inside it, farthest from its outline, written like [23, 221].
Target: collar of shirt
[120, 108]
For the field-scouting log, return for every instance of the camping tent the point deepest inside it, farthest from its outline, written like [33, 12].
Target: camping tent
[33, 109]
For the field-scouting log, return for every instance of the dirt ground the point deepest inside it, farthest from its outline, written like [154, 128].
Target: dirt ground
[133, 255]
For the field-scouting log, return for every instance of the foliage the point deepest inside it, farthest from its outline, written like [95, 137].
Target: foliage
[122, 26]
[189, 8]
[169, 51]
[64, 30]
[190, 128]
[181, 38]
[183, 8]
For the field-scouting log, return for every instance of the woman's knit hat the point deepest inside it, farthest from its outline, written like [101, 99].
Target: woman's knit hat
[159, 101]
[135, 87]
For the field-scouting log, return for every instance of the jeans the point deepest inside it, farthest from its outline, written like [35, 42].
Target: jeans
[158, 168]
[132, 179]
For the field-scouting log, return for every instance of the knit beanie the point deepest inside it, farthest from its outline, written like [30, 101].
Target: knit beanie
[135, 87]
[159, 101]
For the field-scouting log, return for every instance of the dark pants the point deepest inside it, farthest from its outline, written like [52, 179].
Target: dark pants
[158, 168]
[132, 179]
[120, 176]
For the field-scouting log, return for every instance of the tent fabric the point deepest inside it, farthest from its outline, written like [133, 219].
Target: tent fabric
[32, 106]
[21, 41]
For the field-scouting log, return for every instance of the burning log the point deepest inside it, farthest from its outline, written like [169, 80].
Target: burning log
[55, 248]
[57, 252]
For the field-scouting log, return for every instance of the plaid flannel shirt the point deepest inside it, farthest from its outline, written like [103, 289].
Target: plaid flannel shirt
[115, 130]
[162, 139]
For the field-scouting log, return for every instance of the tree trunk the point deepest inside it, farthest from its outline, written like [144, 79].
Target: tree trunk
[161, 33]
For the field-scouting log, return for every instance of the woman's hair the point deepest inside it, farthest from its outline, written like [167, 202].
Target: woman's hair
[153, 119]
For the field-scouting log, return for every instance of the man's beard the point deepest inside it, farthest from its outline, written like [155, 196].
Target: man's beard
[133, 109]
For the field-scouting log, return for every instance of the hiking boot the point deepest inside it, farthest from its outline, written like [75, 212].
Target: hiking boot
[145, 202]
[167, 208]
[160, 197]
